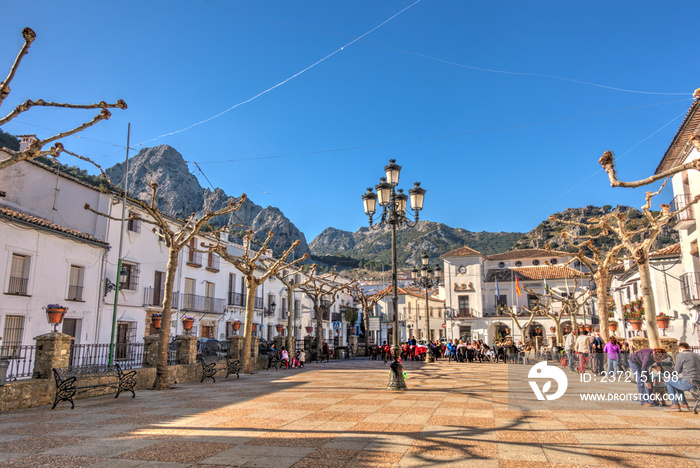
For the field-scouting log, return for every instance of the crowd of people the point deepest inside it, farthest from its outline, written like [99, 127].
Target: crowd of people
[660, 381]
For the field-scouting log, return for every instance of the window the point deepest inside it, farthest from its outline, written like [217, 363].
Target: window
[134, 223]
[532, 299]
[501, 300]
[297, 307]
[131, 283]
[463, 304]
[75, 283]
[12, 335]
[158, 288]
[212, 262]
[232, 289]
[284, 307]
[19, 275]
[431, 312]
[194, 258]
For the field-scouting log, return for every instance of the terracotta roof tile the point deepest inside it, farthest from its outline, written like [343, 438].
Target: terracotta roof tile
[527, 253]
[463, 252]
[550, 272]
[674, 249]
[675, 152]
[11, 214]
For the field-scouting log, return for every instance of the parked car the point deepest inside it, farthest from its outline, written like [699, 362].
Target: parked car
[209, 347]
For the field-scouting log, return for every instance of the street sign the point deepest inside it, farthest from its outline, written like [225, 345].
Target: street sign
[336, 325]
[444, 325]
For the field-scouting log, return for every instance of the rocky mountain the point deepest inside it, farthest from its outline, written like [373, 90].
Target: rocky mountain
[370, 249]
[548, 232]
[435, 238]
[179, 194]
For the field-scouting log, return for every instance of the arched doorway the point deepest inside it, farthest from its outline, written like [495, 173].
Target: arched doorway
[497, 331]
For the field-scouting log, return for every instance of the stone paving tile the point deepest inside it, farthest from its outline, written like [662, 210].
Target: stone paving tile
[452, 415]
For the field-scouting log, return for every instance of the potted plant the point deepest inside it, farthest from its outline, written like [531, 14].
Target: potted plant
[567, 329]
[279, 328]
[55, 314]
[662, 321]
[552, 329]
[187, 322]
[156, 320]
[634, 318]
[236, 325]
[612, 325]
[309, 329]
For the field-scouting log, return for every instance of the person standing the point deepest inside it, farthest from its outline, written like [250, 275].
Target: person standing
[597, 353]
[612, 351]
[570, 349]
[583, 348]
[688, 368]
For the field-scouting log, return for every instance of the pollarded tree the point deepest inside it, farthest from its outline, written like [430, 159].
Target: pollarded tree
[532, 313]
[367, 303]
[35, 149]
[323, 291]
[175, 239]
[289, 275]
[256, 269]
[598, 260]
[571, 304]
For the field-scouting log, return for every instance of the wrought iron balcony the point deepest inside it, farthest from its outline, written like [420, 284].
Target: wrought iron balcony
[690, 288]
[75, 293]
[210, 305]
[684, 219]
[236, 299]
[154, 298]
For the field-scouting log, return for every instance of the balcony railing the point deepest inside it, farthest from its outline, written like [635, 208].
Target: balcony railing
[17, 285]
[465, 313]
[690, 288]
[154, 297]
[258, 303]
[195, 303]
[686, 216]
[236, 299]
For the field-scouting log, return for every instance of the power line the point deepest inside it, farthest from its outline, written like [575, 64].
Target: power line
[415, 140]
[283, 81]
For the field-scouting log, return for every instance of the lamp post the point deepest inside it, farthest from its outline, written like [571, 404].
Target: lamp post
[393, 204]
[426, 278]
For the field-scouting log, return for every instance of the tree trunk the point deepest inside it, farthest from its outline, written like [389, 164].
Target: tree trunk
[162, 381]
[366, 313]
[602, 281]
[649, 306]
[248, 326]
[290, 320]
[319, 334]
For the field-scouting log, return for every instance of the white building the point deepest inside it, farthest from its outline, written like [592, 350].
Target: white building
[476, 285]
[684, 148]
[206, 287]
[43, 263]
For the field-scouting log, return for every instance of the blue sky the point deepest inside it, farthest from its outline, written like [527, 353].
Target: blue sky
[496, 150]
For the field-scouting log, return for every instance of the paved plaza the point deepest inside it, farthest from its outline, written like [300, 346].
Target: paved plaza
[338, 414]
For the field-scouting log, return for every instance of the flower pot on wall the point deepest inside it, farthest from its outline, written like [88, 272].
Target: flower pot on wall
[662, 322]
[236, 325]
[612, 326]
[187, 324]
[309, 329]
[156, 321]
[279, 328]
[55, 316]
[636, 324]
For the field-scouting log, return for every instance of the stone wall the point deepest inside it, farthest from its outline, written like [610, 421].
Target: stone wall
[53, 352]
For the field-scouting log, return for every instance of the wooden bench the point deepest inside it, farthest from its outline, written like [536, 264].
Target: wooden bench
[209, 370]
[67, 384]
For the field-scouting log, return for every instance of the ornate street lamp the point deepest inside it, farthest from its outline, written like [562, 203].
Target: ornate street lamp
[393, 204]
[427, 278]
